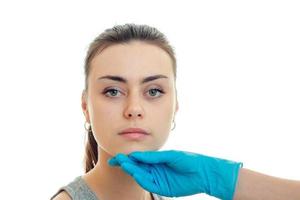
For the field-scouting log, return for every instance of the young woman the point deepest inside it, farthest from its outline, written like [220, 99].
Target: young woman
[129, 103]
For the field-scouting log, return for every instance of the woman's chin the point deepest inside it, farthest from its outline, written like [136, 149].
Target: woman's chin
[133, 149]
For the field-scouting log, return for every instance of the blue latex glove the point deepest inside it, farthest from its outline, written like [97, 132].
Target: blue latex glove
[175, 173]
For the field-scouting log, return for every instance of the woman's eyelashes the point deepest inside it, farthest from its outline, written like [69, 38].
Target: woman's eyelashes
[112, 92]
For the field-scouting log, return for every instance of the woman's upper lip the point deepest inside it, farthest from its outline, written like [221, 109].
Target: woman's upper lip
[134, 130]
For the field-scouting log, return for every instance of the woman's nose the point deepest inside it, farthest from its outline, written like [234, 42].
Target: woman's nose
[133, 114]
[134, 109]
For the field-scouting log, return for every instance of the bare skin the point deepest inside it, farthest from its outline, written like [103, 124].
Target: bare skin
[253, 185]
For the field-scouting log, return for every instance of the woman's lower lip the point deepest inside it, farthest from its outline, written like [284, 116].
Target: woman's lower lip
[134, 135]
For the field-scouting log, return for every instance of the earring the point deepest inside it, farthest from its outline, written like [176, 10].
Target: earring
[174, 125]
[89, 126]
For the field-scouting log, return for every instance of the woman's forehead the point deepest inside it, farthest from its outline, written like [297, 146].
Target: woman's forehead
[133, 57]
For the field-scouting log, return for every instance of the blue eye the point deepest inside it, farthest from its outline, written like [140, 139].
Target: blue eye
[111, 91]
[155, 90]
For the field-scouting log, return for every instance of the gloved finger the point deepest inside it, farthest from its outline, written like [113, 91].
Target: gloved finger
[118, 159]
[150, 186]
[113, 162]
[154, 157]
[132, 169]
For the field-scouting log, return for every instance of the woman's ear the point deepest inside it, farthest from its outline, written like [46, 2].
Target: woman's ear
[176, 110]
[84, 105]
[177, 106]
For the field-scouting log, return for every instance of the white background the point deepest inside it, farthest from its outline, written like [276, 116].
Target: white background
[238, 84]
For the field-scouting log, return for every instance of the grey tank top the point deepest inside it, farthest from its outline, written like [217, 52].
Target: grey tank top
[79, 190]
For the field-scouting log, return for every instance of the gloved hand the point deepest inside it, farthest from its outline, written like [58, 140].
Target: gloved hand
[176, 173]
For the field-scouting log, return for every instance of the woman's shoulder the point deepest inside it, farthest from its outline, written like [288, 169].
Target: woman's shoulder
[77, 189]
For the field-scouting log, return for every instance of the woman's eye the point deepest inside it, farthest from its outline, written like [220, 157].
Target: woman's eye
[154, 91]
[113, 92]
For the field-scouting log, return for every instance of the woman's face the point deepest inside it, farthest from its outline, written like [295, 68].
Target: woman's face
[112, 106]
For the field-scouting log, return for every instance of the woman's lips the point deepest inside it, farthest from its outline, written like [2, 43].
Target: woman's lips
[134, 130]
[134, 135]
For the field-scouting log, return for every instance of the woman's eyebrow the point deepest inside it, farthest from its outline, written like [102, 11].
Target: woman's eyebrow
[123, 80]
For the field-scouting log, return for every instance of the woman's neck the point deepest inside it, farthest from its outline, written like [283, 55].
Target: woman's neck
[112, 183]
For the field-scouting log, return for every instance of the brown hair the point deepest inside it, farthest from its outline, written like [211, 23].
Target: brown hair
[116, 35]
